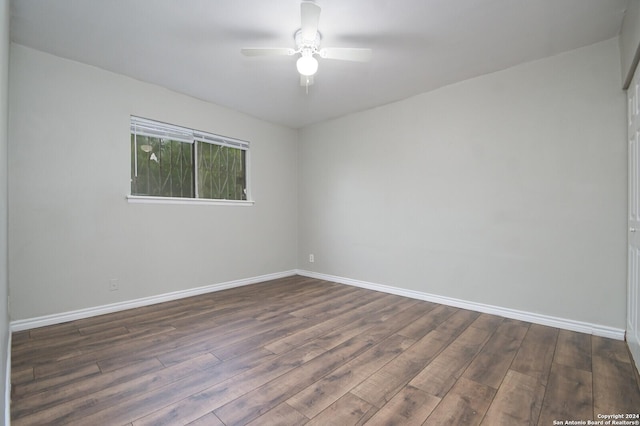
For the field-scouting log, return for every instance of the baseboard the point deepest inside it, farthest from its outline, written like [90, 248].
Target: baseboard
[563, 323]
[27, 324]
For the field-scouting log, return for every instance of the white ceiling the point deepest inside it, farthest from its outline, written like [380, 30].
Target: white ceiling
[193, 46]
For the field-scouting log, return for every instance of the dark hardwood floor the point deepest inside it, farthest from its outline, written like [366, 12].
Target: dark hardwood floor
[302, 351]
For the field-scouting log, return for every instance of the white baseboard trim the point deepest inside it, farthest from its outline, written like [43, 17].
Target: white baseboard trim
[27, 324]
[563, 323]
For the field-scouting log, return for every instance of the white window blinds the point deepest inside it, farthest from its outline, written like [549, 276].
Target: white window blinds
[156, 129]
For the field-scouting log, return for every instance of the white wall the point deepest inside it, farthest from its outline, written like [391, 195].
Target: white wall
[4, 317]
[508, 189]
[71, 229]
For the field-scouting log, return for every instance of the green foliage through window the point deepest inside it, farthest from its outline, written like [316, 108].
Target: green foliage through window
[165, 167]
[163, 158]
[221, 172]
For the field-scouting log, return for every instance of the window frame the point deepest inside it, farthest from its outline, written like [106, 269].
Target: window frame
[192, 136]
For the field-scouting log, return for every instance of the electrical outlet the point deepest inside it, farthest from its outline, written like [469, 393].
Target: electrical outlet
[312, 258]
[114, 284]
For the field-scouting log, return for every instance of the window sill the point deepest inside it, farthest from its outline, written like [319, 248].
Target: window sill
[145, 199]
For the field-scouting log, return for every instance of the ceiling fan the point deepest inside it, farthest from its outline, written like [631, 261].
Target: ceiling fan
[307, 40]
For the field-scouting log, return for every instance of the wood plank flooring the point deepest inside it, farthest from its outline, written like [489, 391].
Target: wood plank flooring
[300, 351]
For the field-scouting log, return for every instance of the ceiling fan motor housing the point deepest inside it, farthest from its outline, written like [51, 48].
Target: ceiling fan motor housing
[302, 43]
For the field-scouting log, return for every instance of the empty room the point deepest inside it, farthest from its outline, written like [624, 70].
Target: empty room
[320, 212]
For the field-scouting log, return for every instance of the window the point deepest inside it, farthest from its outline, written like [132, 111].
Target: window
[174, 162]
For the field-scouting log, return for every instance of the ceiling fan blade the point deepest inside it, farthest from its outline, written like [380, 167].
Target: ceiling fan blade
[268, 51]
[310, 16]
[346, 54]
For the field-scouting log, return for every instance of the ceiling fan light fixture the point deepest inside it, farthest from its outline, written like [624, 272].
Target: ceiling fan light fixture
[307, 40]
[307, 65]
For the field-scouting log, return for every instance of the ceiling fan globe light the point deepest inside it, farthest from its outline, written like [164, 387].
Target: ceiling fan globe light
[307, 65]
